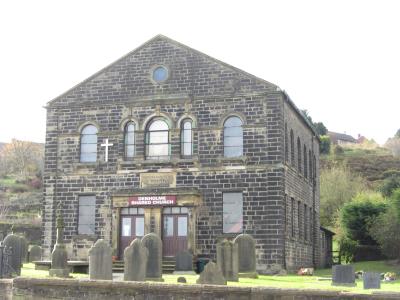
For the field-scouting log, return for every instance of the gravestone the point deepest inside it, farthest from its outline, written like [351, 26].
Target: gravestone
[184, 263]
[343, 275]
[135, 261]
[181, 280]
[153, 244]
[228, 260]
[371, 280]
[211, 275]
[246, 255]
[13, 243]
[100, 261]
[24, 249]
[5, 255]
[59, 260]
[35, 254]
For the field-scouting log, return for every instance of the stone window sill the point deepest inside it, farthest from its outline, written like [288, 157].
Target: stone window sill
[232, 159]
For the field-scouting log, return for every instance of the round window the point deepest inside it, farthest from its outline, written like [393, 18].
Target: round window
[160, 74]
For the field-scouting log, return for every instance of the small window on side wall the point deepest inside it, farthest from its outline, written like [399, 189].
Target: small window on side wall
[87, 215]
[233, 137]
[129, 139]
[232, 212]
[88, 151]
[186, 138]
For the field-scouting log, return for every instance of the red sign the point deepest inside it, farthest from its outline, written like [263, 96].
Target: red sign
[152, 200]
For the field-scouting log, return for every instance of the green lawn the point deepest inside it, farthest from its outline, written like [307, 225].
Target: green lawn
[318, 281]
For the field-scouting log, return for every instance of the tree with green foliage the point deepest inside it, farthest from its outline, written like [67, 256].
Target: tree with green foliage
[385, 228]
[325, 145]
[397, 135]
[390, 184]
[337, 187]
[319, 127]
[355, 216]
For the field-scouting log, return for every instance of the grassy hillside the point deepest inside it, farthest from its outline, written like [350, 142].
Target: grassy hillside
[370, 163]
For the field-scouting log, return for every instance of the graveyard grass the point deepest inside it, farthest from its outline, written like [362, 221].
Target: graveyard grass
[289, 281]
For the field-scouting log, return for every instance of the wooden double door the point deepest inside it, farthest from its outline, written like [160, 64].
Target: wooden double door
[132, 226]
[175, 230]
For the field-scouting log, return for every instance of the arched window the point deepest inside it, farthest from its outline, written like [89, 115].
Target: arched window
[305, 161]
[310, 170]
[186, 138]
[157, 139]
[233, 137]
[292, 147]
[286, 144]
[89, 144]
[299, 154]
[129, 140]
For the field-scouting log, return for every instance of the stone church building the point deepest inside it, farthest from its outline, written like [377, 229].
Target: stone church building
[171, 141]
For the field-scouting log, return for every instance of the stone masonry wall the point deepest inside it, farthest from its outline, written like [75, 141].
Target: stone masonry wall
[203, 89]
[302, 190]
[71, 289]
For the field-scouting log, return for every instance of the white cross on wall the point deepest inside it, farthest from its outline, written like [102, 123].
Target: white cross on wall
[106, 144]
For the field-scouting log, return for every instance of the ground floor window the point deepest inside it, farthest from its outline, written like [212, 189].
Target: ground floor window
[232, 212]
[86, 214]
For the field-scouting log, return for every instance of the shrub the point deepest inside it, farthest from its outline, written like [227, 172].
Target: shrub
[385, 228]
[325, 145]
[355, 217]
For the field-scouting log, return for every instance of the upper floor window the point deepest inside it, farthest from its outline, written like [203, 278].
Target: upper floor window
[299, 154]
[88, 144]
[286, 144]
[129, 139]
[160, 74]
[292, 147]
[305, 161]
[157, 139]
[186, 138]
[233, 137]
[310, 170]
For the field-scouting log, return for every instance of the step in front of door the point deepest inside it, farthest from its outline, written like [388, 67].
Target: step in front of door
[168, 265]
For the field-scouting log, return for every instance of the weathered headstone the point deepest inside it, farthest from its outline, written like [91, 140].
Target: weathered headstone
[100, 261]
[59, 256]
[211, 275]
[228, 260]
[153, 244]
[13, 243]
[135, 261]
[247, 255]
[181, 280]
[371, 280]
[35, 253]
[184, 263]
[5, 256]
[343, 275]
[24, 249]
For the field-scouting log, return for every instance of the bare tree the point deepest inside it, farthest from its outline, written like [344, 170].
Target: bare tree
[21, 158]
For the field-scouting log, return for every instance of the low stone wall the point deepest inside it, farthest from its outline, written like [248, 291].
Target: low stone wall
[35, 289]
[6, 289]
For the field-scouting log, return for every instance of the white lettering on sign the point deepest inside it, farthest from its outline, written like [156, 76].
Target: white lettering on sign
[152, 200]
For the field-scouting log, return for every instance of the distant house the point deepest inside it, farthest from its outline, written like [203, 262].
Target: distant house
[341, 138]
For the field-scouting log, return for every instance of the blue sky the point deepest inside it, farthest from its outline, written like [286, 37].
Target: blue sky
[340, 60]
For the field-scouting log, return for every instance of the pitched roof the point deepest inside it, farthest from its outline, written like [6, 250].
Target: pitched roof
[335, 136]
[171, 41]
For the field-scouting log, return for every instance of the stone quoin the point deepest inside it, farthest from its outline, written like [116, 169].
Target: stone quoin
[170, 141]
